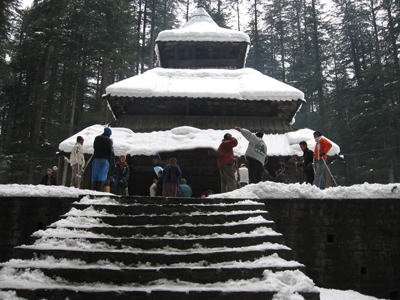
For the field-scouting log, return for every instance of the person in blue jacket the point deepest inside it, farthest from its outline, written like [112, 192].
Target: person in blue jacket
[103, 153]
[171, 177]
[121, 175]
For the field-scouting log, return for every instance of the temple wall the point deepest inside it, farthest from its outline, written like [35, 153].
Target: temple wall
[345, 244]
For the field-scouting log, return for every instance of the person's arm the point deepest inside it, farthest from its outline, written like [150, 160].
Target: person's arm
[248, 135]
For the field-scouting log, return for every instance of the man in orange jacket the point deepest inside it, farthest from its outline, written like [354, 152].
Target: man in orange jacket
[226, 163]
[322, 148]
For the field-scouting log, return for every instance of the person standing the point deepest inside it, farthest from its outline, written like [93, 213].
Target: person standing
[308, 157]
[226, 163]
[322, 148]
[256, 154]
[171, 175]
[103, 152]
[77, 162]
[121, 175]
[49, 179]
[153, 188]
[186, 191]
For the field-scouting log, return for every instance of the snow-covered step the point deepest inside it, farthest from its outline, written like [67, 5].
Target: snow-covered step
[158, 248]
[75, 249]
[138, 208]
[163, 219]
[185, 243]
[181, 292]
[182, 230]
[120, 276]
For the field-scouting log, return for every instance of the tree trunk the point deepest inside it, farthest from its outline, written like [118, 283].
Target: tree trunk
[152, 37]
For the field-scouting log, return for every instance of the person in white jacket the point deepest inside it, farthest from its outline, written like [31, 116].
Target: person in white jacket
[256, 154]
[77, 161]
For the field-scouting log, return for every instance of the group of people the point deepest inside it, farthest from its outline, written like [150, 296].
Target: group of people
[104, 169]
[256, 155]
[170, 182]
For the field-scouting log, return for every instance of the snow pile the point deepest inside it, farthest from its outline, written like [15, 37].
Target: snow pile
[273, 190]
[201, 27]
[44, 191]
[186, 138]
[240, 84]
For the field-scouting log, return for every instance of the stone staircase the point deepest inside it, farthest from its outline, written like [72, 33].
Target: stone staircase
[158, 249]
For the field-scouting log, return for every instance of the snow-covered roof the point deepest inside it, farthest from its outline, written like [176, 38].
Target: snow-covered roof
[240, 84]
[201, 27]
[187, 138]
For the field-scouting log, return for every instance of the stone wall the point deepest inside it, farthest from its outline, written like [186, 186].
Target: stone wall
[20, 217]
[345, 244]
[351, 244]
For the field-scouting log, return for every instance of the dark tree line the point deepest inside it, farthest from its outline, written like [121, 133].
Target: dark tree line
[58, 56]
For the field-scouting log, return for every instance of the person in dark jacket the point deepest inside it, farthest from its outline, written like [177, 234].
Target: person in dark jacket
[103, 153]
[49, 179]
[226, 163]
[171, 175]
[308, 157]
[121, 175]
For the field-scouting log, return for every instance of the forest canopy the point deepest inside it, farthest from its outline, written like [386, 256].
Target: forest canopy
[58, 56]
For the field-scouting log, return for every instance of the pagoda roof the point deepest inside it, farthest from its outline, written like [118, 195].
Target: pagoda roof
[240, 84]
[201, 27]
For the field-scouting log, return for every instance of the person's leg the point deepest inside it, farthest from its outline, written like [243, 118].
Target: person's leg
[310, 177]
[95, 172]
[74, 171]
[230, 179]
[224, 186]
[252, 171]
[319, 179]
[259, 170]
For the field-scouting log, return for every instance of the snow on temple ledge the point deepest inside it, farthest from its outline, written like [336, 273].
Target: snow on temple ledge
[186, 138]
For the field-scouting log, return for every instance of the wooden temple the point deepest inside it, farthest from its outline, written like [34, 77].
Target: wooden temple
[202, 82]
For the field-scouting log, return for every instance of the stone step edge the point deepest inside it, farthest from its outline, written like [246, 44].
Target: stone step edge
[161, 294]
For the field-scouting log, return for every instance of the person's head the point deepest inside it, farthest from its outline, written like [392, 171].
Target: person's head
[242, 165]
[159, 174]
[122, 158]
[317, 134]
[227, 136]
[183, 181]
[49, 171]
[79, 139]
[107, 131]
[259, 134]
[303, 145]
[154, 180]
[173, 161]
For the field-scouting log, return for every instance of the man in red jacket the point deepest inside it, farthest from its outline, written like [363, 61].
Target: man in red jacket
[322, 148]
[226, 163]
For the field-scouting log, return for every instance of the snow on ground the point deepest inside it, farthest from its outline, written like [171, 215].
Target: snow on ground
[44, 191]
[262, 190]
[273, 190]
